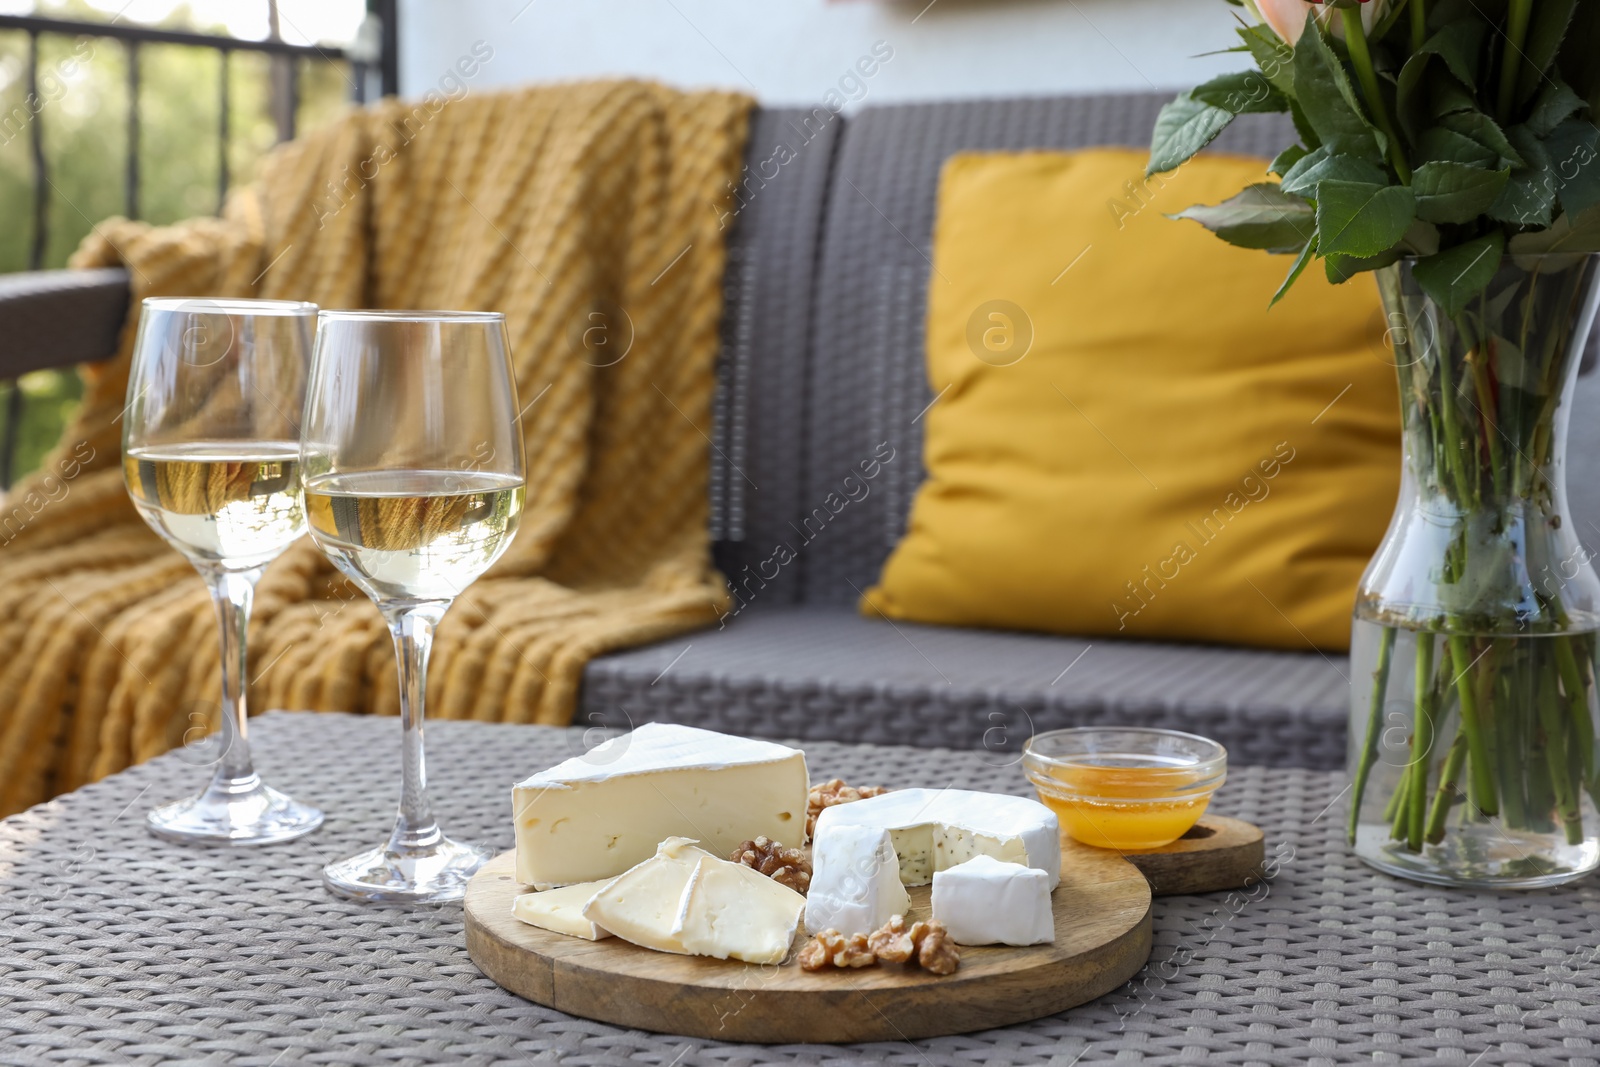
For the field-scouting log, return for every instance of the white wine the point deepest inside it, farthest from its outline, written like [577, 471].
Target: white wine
[236, 503]
[413, 534]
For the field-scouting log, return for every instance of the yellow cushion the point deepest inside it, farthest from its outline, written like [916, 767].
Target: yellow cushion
[1126, 440]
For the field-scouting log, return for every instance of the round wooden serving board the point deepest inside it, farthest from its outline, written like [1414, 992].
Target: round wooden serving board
[1102, 911]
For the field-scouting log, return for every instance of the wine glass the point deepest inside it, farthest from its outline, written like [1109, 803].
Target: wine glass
[210, 454]
[411, 448]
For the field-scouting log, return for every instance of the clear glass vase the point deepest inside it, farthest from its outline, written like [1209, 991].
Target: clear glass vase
[1473, 657]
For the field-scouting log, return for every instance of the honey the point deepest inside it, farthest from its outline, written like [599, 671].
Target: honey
[1122, 806]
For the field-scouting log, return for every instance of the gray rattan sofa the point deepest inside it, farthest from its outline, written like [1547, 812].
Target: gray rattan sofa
[822, 368]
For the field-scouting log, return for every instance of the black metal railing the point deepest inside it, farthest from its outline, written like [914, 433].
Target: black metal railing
[378, 63]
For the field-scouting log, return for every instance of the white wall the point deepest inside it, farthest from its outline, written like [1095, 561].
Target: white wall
[795, 51]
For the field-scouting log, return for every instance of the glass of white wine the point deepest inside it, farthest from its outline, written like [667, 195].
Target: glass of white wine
[210, 453]
[411, 452]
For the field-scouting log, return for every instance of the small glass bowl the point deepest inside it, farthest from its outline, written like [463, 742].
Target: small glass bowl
[1124, 787]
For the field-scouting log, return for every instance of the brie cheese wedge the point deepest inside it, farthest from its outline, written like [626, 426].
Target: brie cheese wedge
[560, 910]
[986, 901]
[687, 901]
[859, 889]
[601, 813]
[930, 830]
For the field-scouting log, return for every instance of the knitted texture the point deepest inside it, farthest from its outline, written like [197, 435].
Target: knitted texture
[548, 204]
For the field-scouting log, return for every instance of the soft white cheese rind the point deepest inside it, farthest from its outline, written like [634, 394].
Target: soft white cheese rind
[859, 887]
[561, 910]
[986, 901]
[935, 829]
[596, 815]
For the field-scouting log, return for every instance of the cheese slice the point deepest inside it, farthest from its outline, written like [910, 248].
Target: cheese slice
[687, 901]
[561, 910]
[641, 905]
[731, 911]
[601, 813]
[986, 901]
[861, 892]
[934, 829]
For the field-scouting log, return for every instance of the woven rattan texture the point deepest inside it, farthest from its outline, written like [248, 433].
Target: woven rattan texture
[121, 949]
[824, 672]
[58, 318]
[775, 224]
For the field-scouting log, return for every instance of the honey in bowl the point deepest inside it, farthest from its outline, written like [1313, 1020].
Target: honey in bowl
[1125, 789]
[1123, 807]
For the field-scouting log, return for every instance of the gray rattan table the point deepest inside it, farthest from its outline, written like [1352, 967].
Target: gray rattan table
[118, 948]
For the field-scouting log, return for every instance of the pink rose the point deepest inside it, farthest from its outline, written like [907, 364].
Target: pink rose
[1287, 18]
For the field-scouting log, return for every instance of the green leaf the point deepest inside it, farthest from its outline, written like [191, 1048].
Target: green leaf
[1411, 103]
[1440, 143]
[1325, 96]
[1545, 31]
[1457, 275]
[1242, 93]
[1286, 159]
[1555, 102]
[1455, 192]
[1482, 129]
[1421, 239]
[1302, 126]
[1460, 44]
[1341, 269]
[1295, 271]
[1446, 96]
[1262, 216]
[1322, 165]
[1574, 148]
[1529, 198]
[1271, 55]
[1568, 234]
[1183, 128]
[1362, 219]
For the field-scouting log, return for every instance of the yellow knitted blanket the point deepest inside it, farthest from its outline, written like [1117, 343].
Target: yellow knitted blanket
[588, 214]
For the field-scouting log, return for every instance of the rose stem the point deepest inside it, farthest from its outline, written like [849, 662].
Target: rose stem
[1482, 772]
[1421, 743]
[1369, 750]
[1355, 39]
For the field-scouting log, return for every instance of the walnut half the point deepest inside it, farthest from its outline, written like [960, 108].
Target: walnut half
[786, 866]
[926, 944]
[834, 791]
[832, 949]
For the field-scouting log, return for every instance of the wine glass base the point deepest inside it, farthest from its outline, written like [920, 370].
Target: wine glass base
[259, 815]
[436, 873]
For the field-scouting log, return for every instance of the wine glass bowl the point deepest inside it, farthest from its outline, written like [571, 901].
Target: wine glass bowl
[211, 462]
[412, 456]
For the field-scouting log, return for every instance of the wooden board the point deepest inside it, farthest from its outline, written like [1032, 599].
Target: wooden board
[1218, 853]
[1102, 911]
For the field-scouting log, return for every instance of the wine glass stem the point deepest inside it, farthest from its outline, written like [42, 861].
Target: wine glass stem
[232, 593]
[412, 626]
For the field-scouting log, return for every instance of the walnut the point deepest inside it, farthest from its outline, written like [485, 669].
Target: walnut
[818, 952]
[832, 792]
[893, 941]
[786, 866]
[832, 949]
[935, 951]
[926, 944]
[857, 952]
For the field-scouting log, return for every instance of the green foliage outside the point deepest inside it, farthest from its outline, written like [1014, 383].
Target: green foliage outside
[83, 115]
